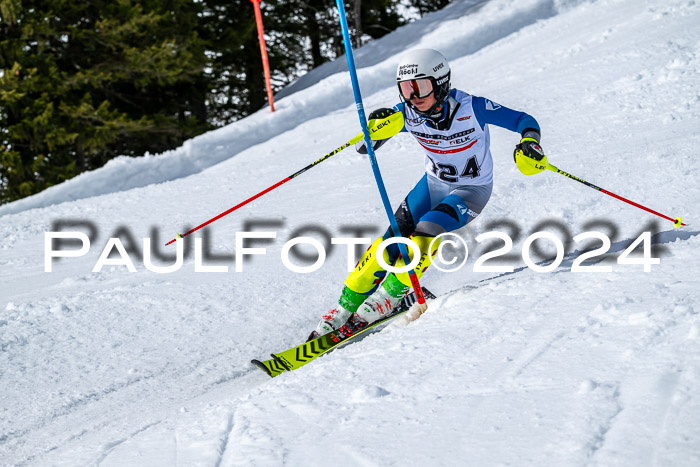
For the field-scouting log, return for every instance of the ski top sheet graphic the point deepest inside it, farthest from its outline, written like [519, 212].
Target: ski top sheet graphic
[298, 356]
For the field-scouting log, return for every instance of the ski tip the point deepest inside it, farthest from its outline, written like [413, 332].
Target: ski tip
[262, 366]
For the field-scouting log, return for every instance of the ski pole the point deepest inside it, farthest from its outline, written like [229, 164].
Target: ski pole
[370, 152]
[380, 129]
[677, 222]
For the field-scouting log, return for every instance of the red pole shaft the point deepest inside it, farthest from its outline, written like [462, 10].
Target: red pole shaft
[263, 53]
[269, 189]
[566, 174]
[239, 205]
[636, 205]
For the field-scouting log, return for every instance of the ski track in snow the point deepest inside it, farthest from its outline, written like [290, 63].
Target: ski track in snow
[116, 368]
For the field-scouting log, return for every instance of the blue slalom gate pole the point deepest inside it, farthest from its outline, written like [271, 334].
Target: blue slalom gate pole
[370, 150]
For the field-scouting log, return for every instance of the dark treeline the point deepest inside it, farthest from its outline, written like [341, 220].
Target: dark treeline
[84, 81]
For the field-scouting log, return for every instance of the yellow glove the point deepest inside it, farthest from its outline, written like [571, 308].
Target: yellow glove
[529, 156]
[382, 113]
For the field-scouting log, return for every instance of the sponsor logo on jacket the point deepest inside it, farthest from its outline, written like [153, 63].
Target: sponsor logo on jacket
[459, 141]
[415, 121]
[444, 137]
[428, 141]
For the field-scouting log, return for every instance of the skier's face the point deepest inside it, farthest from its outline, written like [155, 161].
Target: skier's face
[419, 92]
[425, 103]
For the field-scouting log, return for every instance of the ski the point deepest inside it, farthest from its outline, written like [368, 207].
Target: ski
[298, 356]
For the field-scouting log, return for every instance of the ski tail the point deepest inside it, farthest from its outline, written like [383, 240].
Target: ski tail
[263, 366]
[272, 366]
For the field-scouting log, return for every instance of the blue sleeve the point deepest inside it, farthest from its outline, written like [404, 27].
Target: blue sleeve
[487, 111]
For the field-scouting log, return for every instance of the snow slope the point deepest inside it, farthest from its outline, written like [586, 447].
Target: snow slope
[559, 368]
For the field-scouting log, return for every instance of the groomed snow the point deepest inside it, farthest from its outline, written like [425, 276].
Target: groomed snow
[120, 368]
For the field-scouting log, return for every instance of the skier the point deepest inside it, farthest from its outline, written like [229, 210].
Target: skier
[452, 128]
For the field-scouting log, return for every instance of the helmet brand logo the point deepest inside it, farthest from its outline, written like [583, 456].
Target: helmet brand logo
[410, 69]
[439, 67]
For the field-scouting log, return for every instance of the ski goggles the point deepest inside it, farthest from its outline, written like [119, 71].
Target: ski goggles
[419, 88]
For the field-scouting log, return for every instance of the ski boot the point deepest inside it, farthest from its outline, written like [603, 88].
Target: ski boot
[382, 302]
[331, 321]
[340, 315]
[350, 326]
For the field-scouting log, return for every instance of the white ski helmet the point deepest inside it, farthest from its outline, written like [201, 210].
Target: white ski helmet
[422, 64]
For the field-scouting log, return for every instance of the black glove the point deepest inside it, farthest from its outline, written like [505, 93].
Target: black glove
[381, 113]
[529, 148]
[529, 155]
[530, 145]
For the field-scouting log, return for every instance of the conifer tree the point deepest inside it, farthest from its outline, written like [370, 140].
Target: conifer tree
[85, 81]
[82, 82]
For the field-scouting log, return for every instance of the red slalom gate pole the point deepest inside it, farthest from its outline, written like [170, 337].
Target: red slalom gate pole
[263, 52]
